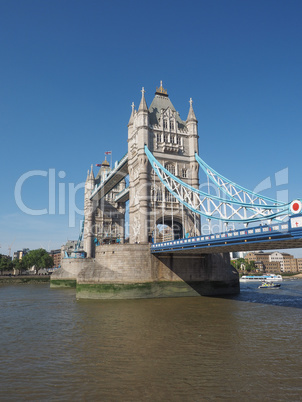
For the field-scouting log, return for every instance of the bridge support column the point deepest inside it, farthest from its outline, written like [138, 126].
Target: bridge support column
[206, 274]
[130, 271]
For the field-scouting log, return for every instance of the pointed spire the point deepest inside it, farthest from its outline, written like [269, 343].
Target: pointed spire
[91, 173]
[143, 105]
[132, 115]
[191, 114]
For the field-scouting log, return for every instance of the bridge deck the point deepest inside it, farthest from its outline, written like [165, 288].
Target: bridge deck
[115, 176]
[123, 196]
[276, 236]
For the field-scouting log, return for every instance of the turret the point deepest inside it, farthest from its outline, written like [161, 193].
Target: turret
[89, 184]
[191, 120]
[89, 214]
[193, 144]
[142, 122]
[131, 121]
[104, 170]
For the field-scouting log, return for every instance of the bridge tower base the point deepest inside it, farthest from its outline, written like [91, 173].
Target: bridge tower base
[130, 271]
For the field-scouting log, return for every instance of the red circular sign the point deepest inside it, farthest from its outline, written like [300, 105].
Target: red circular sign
[296, 206]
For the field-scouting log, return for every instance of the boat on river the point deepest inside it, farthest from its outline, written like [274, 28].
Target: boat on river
[261, 278]
[269, 285]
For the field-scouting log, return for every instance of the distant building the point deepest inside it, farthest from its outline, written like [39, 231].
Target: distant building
[299, 264]
[18, 255]
[237, 254]
[262, 262]
[287, 261]
[56, 255]
[275, 262]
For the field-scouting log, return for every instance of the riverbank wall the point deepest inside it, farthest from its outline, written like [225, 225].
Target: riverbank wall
[24, 279]
[130, 271]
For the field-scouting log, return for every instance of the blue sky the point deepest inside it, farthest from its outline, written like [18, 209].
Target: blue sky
[70, 70]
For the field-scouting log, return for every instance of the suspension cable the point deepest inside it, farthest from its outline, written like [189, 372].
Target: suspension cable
[155, 205]
[182, 218]
[162, 210]
[172, 217]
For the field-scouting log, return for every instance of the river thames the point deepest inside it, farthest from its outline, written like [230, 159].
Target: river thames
[240, 348]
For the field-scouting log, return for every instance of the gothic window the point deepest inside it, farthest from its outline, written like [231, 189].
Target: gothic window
[184, 173]
[159, 195]
[165, 124]
[168, 196]
[158, 137]
[170, 167]
[171, 125]
[178, 140]
[166, 138]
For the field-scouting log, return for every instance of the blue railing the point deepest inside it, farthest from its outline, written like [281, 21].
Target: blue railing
[291, 229]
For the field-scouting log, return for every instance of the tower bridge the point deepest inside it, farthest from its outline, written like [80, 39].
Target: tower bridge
[168, 253]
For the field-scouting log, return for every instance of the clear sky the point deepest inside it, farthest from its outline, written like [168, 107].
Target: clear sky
[70, 69]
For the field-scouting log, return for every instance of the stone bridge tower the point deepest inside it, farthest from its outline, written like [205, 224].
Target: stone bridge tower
[126, 271]
[153, 211]
[104, 218]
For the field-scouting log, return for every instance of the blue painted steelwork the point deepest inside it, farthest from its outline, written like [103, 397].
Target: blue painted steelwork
[75, 254]
[80, 236]
[233, 190]
[214, 207]
[290, 230]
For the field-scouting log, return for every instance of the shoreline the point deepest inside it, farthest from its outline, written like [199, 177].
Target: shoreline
[24, 279]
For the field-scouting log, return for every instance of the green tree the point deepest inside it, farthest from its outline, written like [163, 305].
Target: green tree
[19, 265]
[244, 265]
[38, 259]
[5, 263]
[251, 266]
[239, 263]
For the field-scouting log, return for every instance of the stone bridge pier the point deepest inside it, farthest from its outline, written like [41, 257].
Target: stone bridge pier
[130, 271]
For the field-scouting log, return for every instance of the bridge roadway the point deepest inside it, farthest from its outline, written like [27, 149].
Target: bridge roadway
[268, 237]
[116, 175]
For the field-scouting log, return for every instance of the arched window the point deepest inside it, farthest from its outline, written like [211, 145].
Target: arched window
[168, 196]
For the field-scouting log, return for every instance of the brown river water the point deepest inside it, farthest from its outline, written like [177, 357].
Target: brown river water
[242, 348]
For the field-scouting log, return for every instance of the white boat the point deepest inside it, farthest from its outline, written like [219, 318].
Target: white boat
[261, 278]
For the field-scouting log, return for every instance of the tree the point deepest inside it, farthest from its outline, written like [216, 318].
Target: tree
[19, 265]
[239, 263]
[38, 259]
[245, 265]
[251, 266]
[5, 263]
